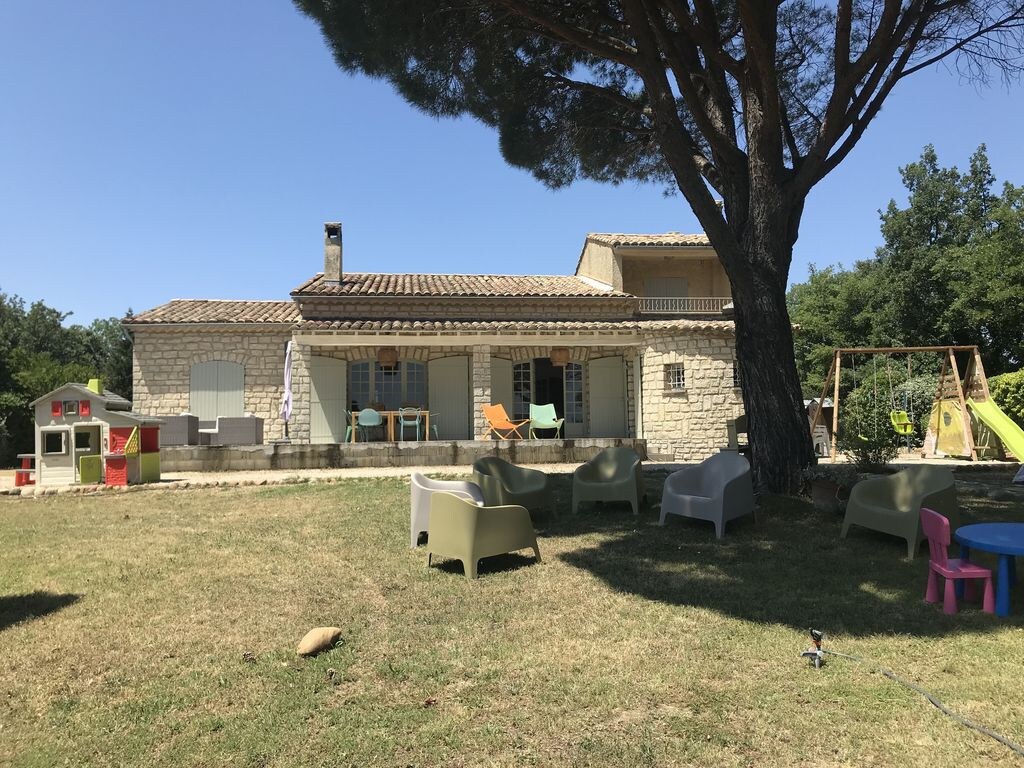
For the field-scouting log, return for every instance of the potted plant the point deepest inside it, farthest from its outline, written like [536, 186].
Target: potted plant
[830, 484]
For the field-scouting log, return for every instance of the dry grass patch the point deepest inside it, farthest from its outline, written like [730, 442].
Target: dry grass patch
[160, 628]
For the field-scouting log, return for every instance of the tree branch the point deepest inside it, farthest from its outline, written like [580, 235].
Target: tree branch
[599, 45]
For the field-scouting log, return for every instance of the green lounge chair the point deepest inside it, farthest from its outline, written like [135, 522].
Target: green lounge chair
[892, 504]
[615, 474]
[545, 417]
[461, 530]
[504, 483]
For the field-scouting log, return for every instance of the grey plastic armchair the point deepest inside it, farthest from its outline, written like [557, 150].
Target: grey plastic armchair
[718, 489]
[615, 474]
[422, 488]
[461, 530]
[892, 504]
[505, 483]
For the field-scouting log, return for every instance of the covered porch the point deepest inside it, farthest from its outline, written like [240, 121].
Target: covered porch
[589, 374]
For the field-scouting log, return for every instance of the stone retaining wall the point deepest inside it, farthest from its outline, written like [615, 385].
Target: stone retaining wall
[408, 454]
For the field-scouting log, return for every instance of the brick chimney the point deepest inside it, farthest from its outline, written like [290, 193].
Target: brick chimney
[332, 253]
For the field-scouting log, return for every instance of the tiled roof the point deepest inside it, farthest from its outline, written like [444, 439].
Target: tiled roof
[483, 286]
[484, 326]
[667, 240]
[218, 311]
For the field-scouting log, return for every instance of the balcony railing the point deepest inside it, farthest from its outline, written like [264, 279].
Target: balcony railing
[683, 305]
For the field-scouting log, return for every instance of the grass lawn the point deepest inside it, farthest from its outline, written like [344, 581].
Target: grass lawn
[159, 628]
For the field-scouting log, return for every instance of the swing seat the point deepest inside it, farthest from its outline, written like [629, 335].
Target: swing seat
[901, 422]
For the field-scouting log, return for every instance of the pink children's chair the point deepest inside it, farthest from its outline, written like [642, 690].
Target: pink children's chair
[936, 530]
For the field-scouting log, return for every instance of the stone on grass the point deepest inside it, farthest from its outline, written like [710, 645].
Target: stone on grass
[317, 640]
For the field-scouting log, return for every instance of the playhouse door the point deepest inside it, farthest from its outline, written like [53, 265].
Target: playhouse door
[87, 442]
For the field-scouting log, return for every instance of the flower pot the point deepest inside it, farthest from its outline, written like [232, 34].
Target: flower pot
[825, 495]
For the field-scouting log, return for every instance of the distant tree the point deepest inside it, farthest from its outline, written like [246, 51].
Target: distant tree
[951, 271]
[38, 353]
[750, 102]
[112, 354]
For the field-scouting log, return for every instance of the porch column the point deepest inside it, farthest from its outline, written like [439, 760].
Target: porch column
[299, 426]
[481, 389]
[638, 394]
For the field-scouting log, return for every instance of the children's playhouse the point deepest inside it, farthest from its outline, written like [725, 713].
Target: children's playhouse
[87, 435]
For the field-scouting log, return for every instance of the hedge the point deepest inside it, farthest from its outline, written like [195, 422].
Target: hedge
[1008, 391]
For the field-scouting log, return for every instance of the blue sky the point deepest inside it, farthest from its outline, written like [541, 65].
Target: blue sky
[150, 151]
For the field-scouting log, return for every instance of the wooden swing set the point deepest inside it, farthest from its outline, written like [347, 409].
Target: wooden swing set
[951, 395]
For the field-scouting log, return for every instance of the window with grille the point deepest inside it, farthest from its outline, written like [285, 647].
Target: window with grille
[675, 377]
[735, 375]
[522, 390]
[392, 386]
[574, 393]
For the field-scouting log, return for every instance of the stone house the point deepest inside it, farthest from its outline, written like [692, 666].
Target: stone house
[636, 343]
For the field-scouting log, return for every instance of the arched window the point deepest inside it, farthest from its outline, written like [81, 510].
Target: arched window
[216, 388]
[391, 386]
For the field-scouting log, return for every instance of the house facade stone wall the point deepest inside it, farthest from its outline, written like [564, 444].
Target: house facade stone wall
[162, 361]
[689, 425]
[685, 426]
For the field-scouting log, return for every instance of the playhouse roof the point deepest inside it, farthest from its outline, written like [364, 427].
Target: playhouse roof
[111, 400]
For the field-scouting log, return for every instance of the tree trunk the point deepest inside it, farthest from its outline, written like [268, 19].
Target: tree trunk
[780, 439]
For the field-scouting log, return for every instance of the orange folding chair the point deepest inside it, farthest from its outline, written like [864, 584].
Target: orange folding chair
[501, 425]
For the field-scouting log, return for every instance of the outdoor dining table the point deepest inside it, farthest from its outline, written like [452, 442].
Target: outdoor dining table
[1003, 539]
[389, 418]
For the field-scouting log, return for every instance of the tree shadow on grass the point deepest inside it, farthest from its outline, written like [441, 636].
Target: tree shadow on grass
[15, 609]
[789, 567]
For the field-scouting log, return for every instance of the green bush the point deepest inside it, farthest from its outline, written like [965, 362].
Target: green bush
[865, 434]
[1008, 392]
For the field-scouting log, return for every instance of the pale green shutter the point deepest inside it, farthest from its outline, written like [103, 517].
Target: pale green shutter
[327, 420]
[607, 382]
[216, 388]
[448, 388]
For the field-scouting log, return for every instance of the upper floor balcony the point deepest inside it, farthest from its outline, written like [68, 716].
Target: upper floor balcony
[683, 305]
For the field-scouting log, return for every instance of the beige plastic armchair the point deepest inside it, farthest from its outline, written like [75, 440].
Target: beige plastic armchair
[505, 483]
[422, 488]
[615, 474]
[892, 504]
[461, 530]
[718, 489]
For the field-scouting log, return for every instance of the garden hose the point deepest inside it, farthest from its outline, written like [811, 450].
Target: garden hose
[816, 654]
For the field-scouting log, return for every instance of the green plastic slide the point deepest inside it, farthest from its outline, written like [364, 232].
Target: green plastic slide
[1006, 429]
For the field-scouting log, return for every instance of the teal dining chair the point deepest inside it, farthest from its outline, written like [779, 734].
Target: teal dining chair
[348, 426]
[369, 419]
[409, 417]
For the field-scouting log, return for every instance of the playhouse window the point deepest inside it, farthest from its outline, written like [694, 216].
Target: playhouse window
[55, 442]
[70, 407]
[83, 441]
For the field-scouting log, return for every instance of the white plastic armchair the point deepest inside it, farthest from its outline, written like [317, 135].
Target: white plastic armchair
[718, 489]
[422, 489]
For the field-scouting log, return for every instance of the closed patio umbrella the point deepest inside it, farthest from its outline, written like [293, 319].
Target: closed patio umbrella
[286, 397]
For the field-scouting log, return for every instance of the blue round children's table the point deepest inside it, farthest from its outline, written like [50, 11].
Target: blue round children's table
[1003, 539]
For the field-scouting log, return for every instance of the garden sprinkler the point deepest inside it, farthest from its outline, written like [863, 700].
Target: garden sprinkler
[814, 654]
